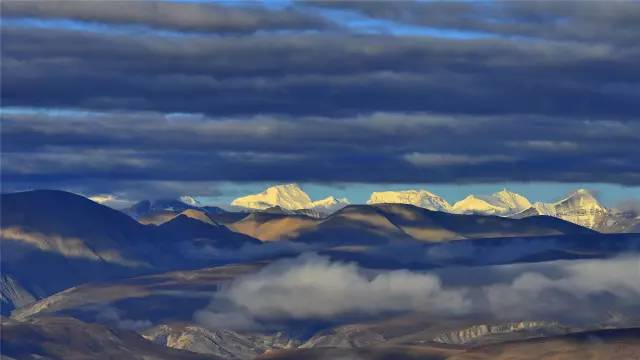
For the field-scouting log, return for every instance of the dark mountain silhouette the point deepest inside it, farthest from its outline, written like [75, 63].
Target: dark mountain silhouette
[355, 224]
[146, 207]
[381, 223]
[415, 219]
[216, 214]
[52, 240]
[184, 227]
[223, 216]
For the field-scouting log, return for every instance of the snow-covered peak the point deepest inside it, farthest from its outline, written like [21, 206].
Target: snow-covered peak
[190, 200]
[420, 198]
[110, 201]
[501, 203]
[581, 208]
[514, 201]
[473, 204]
[329, 201]
[583, 198]
[289, 196]
[580, 200]
[544, 208]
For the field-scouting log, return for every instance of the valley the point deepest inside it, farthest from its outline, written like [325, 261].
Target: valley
[190, 281]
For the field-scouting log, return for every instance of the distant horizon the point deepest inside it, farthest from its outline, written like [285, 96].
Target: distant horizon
[609, 195]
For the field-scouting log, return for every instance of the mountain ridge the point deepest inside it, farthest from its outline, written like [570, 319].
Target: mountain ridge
[580, 207]
[288, 197]
[52, 240]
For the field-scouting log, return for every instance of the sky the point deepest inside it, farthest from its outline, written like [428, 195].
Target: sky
[151, 99]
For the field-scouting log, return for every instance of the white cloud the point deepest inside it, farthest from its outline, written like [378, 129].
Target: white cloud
[313, 287]
[111, 200]
[443, 159]
[546, 145]
[571, 288]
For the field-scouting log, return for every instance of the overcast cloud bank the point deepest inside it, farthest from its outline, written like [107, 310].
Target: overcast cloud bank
[101, 95]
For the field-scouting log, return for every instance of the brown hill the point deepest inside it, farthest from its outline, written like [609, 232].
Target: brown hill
[68, 338]
[371, 224]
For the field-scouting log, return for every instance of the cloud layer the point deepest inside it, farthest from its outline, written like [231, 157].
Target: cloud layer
[188, 17]
[113, 148]
[101, 92]
[315, 287]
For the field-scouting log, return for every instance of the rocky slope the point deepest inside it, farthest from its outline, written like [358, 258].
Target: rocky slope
[599, 344]
[12, 294]
[483, 333]
[581, 208]
[227, 344]
[69, 338]
[350, 336]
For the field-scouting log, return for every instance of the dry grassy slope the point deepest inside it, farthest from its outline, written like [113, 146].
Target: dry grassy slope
[162, 297]
[417, 222]
[52, 240]
[375, 353]
[158, 217]
[68, 338]
[71, 225]
[474, 226]
[601, 344]
[163, 216]
[221, 217]
[383, 222]
[270, 227]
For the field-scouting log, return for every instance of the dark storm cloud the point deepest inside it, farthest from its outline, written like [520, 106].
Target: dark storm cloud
[190, 17]
[319, 74]
[611, 22]
[225, 95]
[382, 147]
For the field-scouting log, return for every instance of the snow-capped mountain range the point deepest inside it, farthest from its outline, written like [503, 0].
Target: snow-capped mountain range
[502, 203]
[580, 207]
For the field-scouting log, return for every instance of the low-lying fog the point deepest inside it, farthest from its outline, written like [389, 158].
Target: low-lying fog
[312, 286]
